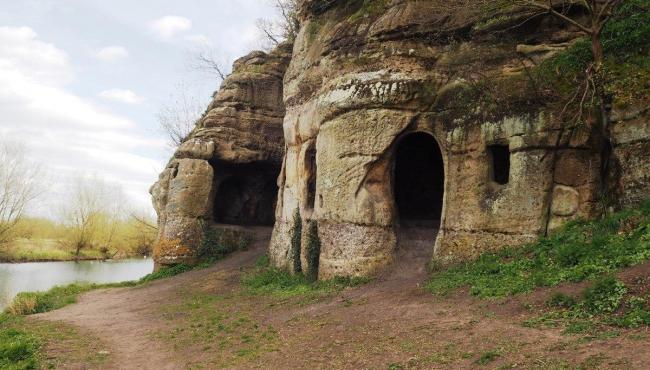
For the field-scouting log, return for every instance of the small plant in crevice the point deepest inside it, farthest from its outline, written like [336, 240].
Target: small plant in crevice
[313, 250]
[296, 241]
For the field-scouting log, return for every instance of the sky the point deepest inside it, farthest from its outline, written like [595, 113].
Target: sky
[82, 81]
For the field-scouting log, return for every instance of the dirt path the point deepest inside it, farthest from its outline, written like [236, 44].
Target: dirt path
[390, 323]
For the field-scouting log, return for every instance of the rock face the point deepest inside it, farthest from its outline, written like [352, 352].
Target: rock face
[395, 114]
[384, 129]
[226, 170]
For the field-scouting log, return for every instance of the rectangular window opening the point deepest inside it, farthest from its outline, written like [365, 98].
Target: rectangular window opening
[499, 163]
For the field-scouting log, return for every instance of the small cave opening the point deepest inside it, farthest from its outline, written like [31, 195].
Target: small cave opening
[499, 157]
[245, 194]
[419, 180]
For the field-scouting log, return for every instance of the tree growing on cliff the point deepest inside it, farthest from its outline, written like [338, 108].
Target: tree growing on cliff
[285, 27]
[20, 184]
[178, 116]
[599, 12]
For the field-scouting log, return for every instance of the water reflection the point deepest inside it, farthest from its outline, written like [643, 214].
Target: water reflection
[39, 276]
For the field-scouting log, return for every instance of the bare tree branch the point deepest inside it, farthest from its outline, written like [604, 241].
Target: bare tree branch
[287, 25]
[177, 117]
[549, 8]
[20, 184]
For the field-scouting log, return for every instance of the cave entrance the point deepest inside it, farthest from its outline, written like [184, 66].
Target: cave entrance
[419, 181]
[245, 194]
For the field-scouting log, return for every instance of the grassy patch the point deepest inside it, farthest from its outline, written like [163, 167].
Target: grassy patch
[580, 251]
[266, 280]
[34, 345]
[222, 332]
[18, 349]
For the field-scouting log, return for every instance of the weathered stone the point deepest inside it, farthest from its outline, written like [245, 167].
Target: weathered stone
[226, 170]
[566, 201]
[362, 82]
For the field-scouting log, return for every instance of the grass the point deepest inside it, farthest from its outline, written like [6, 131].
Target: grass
[33, 345]
[218, 327]
[487, 357]
[580, 251]
[18, 349]
[266, 280]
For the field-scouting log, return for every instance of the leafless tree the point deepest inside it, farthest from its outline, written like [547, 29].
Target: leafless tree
[285, 28]
[20, 184]
[92, 212]
[205, 60]
[179, 115]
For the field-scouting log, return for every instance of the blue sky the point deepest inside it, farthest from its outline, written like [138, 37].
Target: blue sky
[82, 81]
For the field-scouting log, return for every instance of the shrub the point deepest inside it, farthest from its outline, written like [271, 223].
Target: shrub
[605, 295]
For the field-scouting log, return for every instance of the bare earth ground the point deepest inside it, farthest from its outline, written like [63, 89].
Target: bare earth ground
[203, 319]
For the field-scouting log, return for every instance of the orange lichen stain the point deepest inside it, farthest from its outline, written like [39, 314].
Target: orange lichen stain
[171, 249]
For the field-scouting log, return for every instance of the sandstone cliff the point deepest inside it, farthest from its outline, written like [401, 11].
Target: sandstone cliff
[226, 170]
[366, 76]
[465, 117]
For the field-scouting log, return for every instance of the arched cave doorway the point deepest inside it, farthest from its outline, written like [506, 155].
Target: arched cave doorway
[245, 194]
[419, 181]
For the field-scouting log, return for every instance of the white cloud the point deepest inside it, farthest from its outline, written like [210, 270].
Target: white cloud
[199, 39]
[67, 133]
[22, 52]
[111, 53]
[121, 96]
[169, 26]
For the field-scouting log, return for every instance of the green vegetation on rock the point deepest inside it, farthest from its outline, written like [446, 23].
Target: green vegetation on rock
[218, 242]
[579, 251]
[627, 60]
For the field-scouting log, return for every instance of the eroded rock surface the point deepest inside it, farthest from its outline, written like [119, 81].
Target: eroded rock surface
[382, 100]
[226, 170]
[363, 78]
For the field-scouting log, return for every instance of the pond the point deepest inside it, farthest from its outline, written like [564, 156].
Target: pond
[40, 276]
